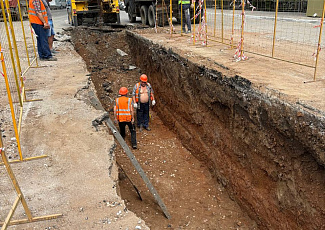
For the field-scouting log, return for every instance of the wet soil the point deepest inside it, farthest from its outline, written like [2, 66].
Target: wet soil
[192, 195]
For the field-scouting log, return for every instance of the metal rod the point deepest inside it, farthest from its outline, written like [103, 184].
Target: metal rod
[23, 29]
[319, 41]
[20, 117]
[171, 17]
[194, 20]
[13, 36]
[16, 185]
[181, 17]
[206, 22]
[32, 35]
[11, 213]
[26, 159]
[35, 219]
[10, 50]
[10, 99]
[233, 23]
[275, 21]
[222, 20]
[215, 18]
[242, 28]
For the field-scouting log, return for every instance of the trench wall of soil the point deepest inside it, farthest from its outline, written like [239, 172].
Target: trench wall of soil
[267, 152]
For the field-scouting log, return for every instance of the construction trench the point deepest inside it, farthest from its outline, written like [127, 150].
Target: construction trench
[222, 154]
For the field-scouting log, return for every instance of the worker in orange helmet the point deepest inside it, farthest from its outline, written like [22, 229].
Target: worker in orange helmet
[124, 115]
[143, 95]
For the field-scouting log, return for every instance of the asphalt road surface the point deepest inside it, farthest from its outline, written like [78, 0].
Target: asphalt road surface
[293, 27]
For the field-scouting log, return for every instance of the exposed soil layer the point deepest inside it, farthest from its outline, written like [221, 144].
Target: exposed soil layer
[268, 153]
[191, 194]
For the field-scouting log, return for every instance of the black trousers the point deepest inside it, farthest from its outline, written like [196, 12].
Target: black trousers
[143, 115]
[132, 131]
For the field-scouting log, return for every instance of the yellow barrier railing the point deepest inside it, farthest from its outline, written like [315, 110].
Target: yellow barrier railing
[15, 66]
[20, 198]
[275, 33]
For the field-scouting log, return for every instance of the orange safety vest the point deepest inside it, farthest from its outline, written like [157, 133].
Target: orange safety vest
[123, 109]
[137, 92]
[32, 13]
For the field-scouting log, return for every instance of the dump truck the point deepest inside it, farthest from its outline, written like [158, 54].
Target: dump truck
[146, 9]
[81, 10]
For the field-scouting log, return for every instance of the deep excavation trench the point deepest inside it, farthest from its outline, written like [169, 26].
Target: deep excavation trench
[221, 153]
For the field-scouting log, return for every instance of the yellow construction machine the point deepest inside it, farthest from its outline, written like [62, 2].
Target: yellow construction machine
[80, 11]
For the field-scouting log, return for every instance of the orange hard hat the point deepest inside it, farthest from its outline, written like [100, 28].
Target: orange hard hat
[143, 78]
[123, 91]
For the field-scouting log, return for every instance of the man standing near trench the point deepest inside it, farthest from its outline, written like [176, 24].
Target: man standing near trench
[124, 115]
[39, 21]
[142, 96]
[185, 5]
[50, 32]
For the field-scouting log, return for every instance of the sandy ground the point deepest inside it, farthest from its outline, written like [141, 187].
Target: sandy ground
[78, 178]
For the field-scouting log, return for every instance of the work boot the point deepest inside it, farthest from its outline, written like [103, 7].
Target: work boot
[147, 128]
[134, 147]
[49, 59]
[141, 128]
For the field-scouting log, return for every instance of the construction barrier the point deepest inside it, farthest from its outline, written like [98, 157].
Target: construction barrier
[18, 54]
[20, 199]
[279, 30]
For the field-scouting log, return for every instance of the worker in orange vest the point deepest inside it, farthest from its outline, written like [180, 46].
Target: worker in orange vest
[142, 95]
[39, 21]
[124, 115]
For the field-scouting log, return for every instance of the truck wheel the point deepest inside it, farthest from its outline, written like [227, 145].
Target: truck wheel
[79, 20]
[130, 14]
[144, 15]
[151, 16]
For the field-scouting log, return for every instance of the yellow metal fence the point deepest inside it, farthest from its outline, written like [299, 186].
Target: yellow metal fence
[282, 32]
[18, 54]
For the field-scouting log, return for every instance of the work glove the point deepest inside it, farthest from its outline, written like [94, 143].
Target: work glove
[192, 6]
[135, 105]
[153, 102]
[115, 121]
